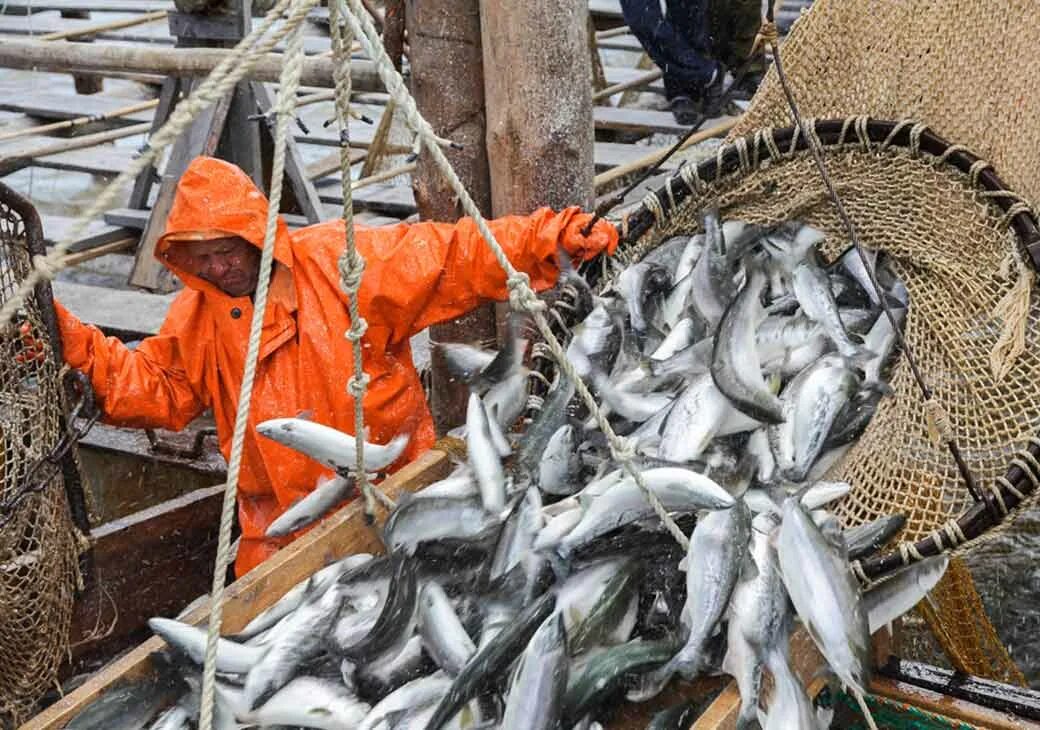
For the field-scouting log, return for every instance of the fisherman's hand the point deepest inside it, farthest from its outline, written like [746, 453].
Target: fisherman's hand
[602, 237]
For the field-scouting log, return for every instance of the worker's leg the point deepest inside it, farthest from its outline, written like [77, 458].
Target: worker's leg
[672, 41]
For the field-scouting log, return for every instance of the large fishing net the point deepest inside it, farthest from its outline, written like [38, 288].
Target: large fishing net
[38, 547]
[955, 233]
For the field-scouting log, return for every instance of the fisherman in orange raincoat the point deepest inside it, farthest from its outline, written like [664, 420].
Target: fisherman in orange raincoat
[416, 275]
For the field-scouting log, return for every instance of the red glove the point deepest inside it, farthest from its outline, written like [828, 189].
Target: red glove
[602, 237]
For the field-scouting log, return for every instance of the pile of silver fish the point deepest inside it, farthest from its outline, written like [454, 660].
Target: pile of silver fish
[535, 587]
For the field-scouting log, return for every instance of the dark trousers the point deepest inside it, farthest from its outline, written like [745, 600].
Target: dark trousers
[688, 39]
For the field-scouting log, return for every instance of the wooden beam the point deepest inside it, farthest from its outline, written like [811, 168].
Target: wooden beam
[341, 534]
[24, 158]
[97, 58]
[539, 105]
[644, 80]
[201, 138]
[123, 244]
[647, 161]
[100, 27]
[957, 710]
[78, 121]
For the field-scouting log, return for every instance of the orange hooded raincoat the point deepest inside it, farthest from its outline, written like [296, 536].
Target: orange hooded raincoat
[416, 275]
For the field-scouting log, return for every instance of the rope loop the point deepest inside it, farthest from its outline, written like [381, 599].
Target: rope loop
[521, 295]
[915, 138]
[976, 169]
[862, 134]
[771, 145]
[767, 34]
[899, 127]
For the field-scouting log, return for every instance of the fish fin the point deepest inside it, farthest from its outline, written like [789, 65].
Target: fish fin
[306, 415]
[683, 564]
[880, 387]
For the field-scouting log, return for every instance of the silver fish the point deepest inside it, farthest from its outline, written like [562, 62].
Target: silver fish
[556, 529]
[419, 520]
[625, 502]
[631, 406]
[418, 693]
[789, 706]
[868, 538]
[825, 596]
[299, 640]
[518, 535]
[459, 484]
[443, 635]
[330, 447]
[711, 289]
[559, 463]
[550, 418]
[682, 282]
[315, 585]
[637, 284]
[613, 616]
[810, 403]
[484, 456]
[853, 264]
[758, 617]
[713, 565]
[881, 340]
[734, 364]
[812, 289]
[535, 699]
[313, 506]
[887, 601]
[595, 341]
[232, 658]
[505, 401]
[700, 414]
[310, 702]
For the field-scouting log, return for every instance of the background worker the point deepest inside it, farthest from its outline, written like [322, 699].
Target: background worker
[694, 42]
[416, 275]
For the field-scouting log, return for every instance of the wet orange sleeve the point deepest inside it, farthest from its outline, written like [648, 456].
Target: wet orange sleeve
[421, 274]
[145, 388]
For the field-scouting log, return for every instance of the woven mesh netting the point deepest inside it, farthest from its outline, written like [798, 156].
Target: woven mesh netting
[38, 551]
[970, 71]
[951, 244]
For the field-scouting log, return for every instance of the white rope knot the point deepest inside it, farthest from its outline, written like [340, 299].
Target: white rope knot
[623, 449]
[357, 330]
[352, 273]
[47, 268]
[521, 295]
[357, 386]
[940, 429]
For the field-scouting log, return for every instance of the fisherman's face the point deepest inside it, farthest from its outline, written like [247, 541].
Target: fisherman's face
[231, 264]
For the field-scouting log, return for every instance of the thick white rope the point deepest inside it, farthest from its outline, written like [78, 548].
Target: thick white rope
[284, 111]
[521, 296]
[351, 263]
[216, 86]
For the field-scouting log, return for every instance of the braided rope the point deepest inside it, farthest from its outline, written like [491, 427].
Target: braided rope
[521, 296]
[238, 63]
[351, 263]
[284, 109]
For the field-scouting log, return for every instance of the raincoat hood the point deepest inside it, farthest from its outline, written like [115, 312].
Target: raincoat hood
[214, 199]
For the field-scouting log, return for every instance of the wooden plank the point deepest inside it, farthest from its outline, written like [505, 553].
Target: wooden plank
[57, 106]
[125, 310]
[169, 94]
[606, 9]
[621, 43]
[618, 75]
[629, 119]
[393, 200]
[175, 543]
[1020, 701]
[342, 534]
[300, 185]
[98, 232]
[201, 138]
[959, 711]
[615, 154]
[106, 160]
[24, 7]
[138, 218]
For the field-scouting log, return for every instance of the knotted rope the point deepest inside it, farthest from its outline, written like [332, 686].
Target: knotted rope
[351, 263]
[284, 112]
